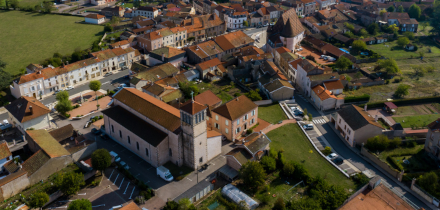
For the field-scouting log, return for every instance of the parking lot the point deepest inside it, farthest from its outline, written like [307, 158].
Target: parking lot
[114, 190]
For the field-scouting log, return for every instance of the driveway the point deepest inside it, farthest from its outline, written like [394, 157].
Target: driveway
[341, 148]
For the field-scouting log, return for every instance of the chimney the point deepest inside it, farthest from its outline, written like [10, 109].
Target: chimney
[163, 57]
[31, 110]
[237, 98]
[67, 62]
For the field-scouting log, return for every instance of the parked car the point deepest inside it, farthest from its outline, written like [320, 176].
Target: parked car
[96, 131]
[298, 113]
[332, 156]
[164, 173]
[308, 127]
[300, 49]
[338, 161]
[323, 56]
[69, 88]
[331, 59]
[88, 123]
[108, 74]
[115, 155]
[105, 136]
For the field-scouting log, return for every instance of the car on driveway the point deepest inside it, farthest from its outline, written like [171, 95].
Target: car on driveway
[308, 127]
[69, 88]
[332, 156]
[338, 161]
[108, 74]
[96, 131]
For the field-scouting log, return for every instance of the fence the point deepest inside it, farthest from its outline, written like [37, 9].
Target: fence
[428, 197]
[393, 172]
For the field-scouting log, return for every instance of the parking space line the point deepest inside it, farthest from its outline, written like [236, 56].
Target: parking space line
[111, 174]
[121, 183]
[98, 205]
[82, 194]
[126, 187]
[140, 162]
[132, 192]
[189, 179]
[149, 168]
[116, 179]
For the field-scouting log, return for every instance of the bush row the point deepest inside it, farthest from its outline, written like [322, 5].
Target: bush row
[350, 99]
[403, 102]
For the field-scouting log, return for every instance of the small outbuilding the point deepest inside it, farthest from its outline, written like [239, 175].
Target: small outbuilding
[409, 47]
[94, 19]
[390, 107]
[235, 195]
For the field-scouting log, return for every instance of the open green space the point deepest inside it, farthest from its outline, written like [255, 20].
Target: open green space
[298, 148]
[32, 37]
[411, 159]
[416, 121]
[396, 52]
[405, 110]
[24, 3]
[225, 89]
[271, 113]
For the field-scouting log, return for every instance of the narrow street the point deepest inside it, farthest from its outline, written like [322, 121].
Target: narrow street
[342, 149]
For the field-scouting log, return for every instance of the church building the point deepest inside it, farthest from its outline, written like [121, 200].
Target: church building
[288, 32]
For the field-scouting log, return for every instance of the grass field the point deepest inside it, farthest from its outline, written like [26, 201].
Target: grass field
[24, 3]
[418, 121]
[298, 148]
[271, 113]
[396, 52]
[32, 37]
[222, 88]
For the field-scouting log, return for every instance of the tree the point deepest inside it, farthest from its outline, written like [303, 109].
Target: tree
[47, 6]
[37, 200]
[62, 95]
[391, 9]
[392, 28]
[400, 9]
[279, 204]
[363, 32]
[80, 204]
[414, 11]
[5, 77]
[269, 163]
[95, 85]
[383, 11]
[115, 20]
[289, 169]
[101, 159]
[429, 182]
[14, 3]
[189, 89]
[64, 104]
[310, 117]
[69, 183]
[254, 95]
[108, 28]
[349, 34]
[396, 142]
[409, 35]
[390, 66]
[171, 205]
[245, 24]
[327, 150]
[253, 174]
[424, 25]
[349, 26]
[185, 204]
[343, 63]
[347, 77]
[373, 28]
[358, 45]
[378, 143]
[358, 75]
[402, 90]
[136, 3]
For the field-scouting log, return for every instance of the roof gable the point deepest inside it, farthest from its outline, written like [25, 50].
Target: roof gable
[27, 108]
[47, 143]
[357, 118]
[236, 108]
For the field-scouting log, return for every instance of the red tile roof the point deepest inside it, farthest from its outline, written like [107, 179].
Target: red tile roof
[95, 16]
[21, 109]
[334, 85]
[4, 151]
[236, 108]
[192, 107]
[207, 98]
[233, 40]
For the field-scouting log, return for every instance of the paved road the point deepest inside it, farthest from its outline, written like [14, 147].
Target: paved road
[342, 149]
[117, 77]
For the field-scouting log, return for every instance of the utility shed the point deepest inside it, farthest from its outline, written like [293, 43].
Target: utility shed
[197, 192]
[234, 194]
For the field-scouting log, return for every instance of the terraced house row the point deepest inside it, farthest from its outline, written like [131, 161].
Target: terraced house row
[41, 82]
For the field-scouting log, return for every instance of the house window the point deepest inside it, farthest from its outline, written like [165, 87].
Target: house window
[146, 152]
[137, 145]
[216, 117]
[253, 112]
[201, 160]
[238, 121]
[217, 126]
[113, 129]
[170, 152]
[226, 130]
[226, 122]
[237, 130]
[252, 121]
[120, 133]
[246, 117]
[128, 139]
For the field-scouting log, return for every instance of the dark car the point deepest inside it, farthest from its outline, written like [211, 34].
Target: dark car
[338, 161]
[96, 131]
[105, 137]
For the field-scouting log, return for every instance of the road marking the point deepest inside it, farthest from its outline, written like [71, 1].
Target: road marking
[82, 194]
[61, 207]
[106, 82]
[121, 183]
[116, 179]
[126, 188]
[149, 168]
[111, 174]
[189, 179]
[98, 205]
[140, 162]
[132, 192]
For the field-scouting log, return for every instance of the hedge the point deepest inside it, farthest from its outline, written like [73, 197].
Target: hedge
[350, 99]
[394, 163]
[403, 102]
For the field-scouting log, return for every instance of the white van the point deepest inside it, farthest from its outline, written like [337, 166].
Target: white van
[164, 173]
[115, 156]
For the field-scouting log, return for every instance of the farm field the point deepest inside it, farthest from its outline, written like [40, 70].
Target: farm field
[33, 37]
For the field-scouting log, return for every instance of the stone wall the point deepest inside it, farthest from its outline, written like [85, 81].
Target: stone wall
[83, 153]
[381, 164]
[15, 186]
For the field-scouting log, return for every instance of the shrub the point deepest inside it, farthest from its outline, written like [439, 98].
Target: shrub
[269, 163]
[289, 169]
[327, 150]
[279, 204]
[394, 163]
[351, 99]
[249, 131]
[237, 94]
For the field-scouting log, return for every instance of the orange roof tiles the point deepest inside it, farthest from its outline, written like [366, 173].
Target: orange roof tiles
[233, 40]
[192, 107]
[212, 133]
[95, 16]
[117, 44]
[282, 50]
[206, 49]
[207, 98]
[333, 85]
[4, 151]
[322, 93]
[209, 63]
[130, 206]
[236, 108]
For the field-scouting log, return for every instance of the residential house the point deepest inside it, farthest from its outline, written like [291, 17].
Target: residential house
[5, 157]
[148, 12]
[233, 118]
[326, 4]
[275, 12]
[356, 125]
[288, 31]
[255, 19]
[234, 20]
[204, 26]
[266, 15]
[268, 73]
[130, 206]
[113, 11]
[278, 90]
[252, 6]
[27, 112]
[251, 148]
[296, 4]
[301, 69]
[128, 13]
[180, 36]
[402, 20]
[203, 52]
[124, 44]
[159, 133]
[310, 7]
[45, 82]
[144, 30]
[334, 87]
[164, 92]
[211, 69]
[209, 99]
[285, 59]
[94, 19]
[126, 35]
[198, 6]
[432, 144]
[156, 39]
[232, 42]
[324, 99]
[167, 55]
[333, 15]
[142, 75]
[166, 24]
[33, 67]
[145, 23]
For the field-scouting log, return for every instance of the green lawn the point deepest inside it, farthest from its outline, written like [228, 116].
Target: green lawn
[271, 113]
[416, 156]
[222, 88]
[399, 53]
[32, 37]
[24, 3]
[418, 121]
[406, 110]
[298, 148]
